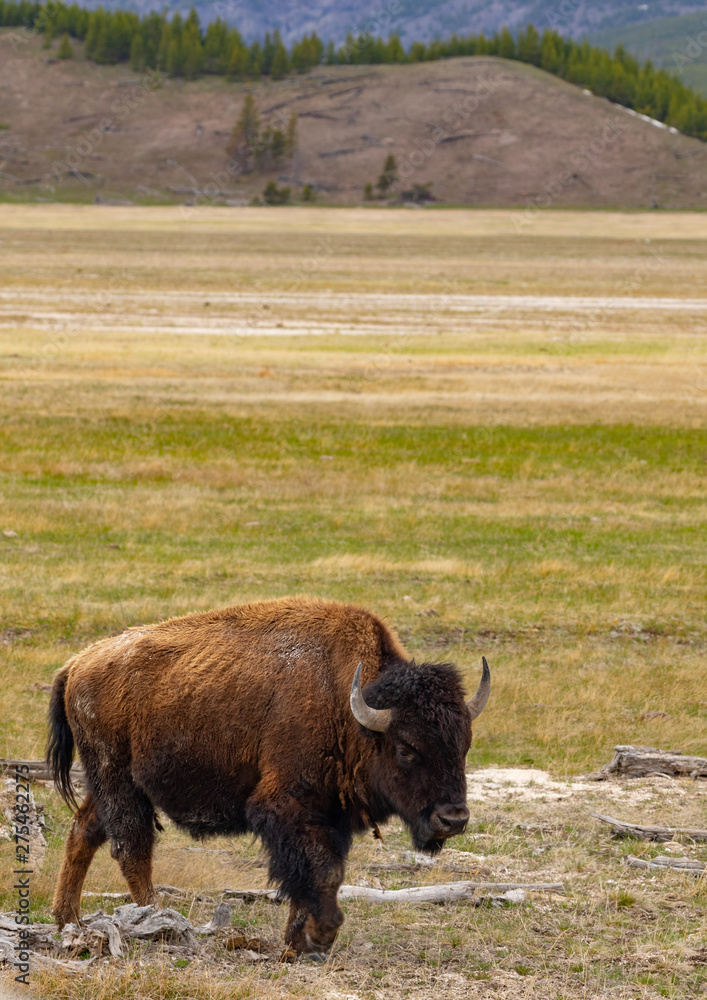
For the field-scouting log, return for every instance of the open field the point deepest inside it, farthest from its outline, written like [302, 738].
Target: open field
[491, 431]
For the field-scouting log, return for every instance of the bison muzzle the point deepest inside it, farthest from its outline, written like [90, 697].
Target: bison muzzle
[300, 720]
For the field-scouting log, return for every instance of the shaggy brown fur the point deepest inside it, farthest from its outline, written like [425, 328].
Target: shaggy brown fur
[239, 720]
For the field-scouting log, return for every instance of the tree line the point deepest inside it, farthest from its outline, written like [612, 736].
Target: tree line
[180, 47]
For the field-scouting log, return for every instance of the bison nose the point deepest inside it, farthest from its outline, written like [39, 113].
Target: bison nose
[449, 820]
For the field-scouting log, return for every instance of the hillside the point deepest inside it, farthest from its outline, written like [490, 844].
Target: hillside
[416, 20]
[483, 131]
[677, 43]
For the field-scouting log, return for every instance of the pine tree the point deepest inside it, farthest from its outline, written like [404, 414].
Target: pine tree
[65, 50]
[163, 48]
[92, 34]
[529, 45]
[192, 51]
[506, 45]
[280, 63]
[268, 53]
[175, 64]
[255, 60]
[550, 58]
[244, 141]
[276, 145]
[137, 53]
[238, 63]
[395, 53]
[101, 52]
[389, 175]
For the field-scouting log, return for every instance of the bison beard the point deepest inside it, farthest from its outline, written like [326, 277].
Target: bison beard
[253, 718]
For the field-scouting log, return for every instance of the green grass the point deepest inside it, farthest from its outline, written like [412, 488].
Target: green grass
[515, 537]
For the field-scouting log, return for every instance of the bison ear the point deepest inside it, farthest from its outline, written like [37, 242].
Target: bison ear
[477, 704]
[377, 719]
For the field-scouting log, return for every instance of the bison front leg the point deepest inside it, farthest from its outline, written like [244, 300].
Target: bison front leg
[307, 860]
[312, 925]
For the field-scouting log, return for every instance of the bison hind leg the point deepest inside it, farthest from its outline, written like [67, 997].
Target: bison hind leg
[86, 835]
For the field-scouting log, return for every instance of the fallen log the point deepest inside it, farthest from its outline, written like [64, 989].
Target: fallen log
[660, 864]
[449, 892]
[659, 833]
[38, 770]
[641, 762]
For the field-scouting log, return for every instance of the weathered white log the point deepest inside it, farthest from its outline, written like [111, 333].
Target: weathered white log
[100, 930]
[147, 923]
[640, 762]
[660, 864]
[38, 935]
[659, 833]
[449, 892]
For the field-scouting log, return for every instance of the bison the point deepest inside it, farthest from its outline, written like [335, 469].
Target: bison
[254, 718]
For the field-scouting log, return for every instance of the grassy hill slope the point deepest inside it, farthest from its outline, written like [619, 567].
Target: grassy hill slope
[482, 130]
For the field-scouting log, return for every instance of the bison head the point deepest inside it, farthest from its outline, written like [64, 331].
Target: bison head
[422, 727]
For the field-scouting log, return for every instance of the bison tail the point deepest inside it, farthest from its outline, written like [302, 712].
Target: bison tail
[60, 746]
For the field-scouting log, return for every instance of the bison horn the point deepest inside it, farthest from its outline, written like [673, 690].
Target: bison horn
[377, 719]
[477, 704]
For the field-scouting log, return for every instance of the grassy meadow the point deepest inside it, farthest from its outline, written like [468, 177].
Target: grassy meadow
[205, 407]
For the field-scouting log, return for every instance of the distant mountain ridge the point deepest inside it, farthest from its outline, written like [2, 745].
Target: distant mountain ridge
[416, 20]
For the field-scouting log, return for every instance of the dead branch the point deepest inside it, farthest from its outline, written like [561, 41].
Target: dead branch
[640, 762]
[660, 833]
[660, 864]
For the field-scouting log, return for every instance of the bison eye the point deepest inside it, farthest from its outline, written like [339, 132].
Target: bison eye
[405, 754]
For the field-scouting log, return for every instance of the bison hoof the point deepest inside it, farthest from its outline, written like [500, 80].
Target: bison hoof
[319, 957]
[66, 916]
